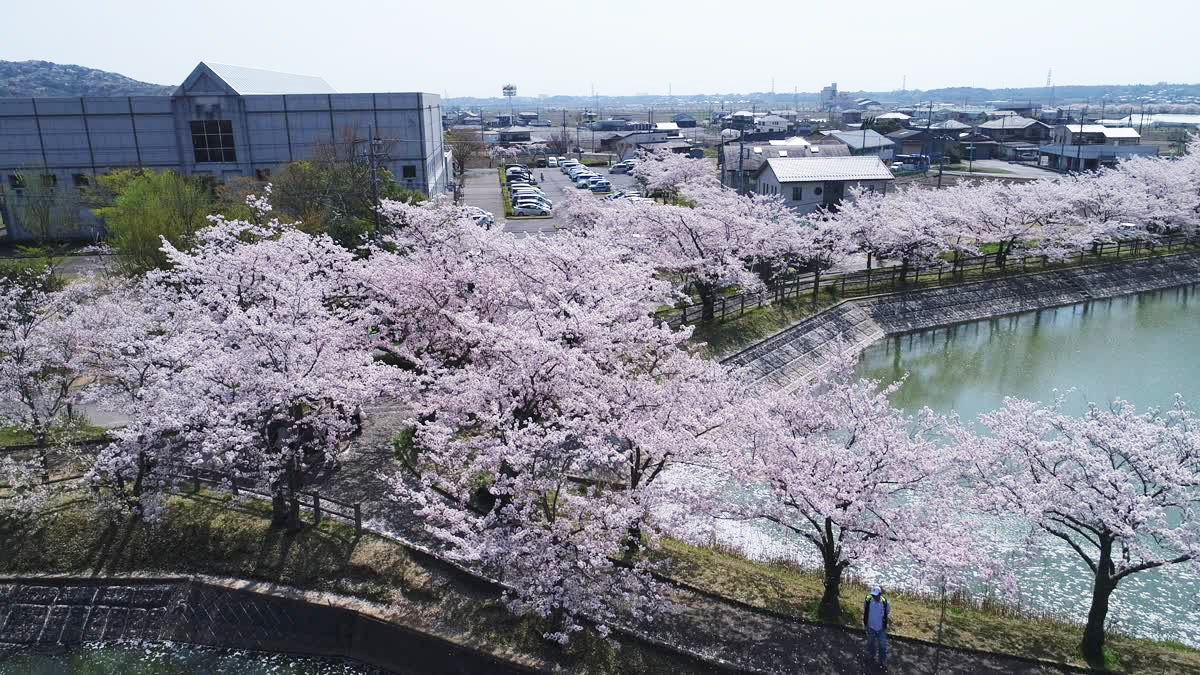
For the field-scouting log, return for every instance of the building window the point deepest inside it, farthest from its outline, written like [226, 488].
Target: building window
[81, 180]
[409, 172]
[212, 141]
[797, 194]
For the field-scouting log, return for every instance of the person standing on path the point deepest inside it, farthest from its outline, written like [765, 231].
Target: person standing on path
[875, 620]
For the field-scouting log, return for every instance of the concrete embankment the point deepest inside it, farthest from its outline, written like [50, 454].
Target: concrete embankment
[792, 356]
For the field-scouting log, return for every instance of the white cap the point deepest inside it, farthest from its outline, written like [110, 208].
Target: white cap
[876, 590]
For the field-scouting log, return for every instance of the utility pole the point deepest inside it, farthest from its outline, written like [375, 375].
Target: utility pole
[374, 145]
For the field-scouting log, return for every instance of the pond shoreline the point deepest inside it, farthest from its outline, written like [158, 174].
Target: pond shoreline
[786, 359]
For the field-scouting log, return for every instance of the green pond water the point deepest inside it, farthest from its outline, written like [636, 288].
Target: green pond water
[1142, 348]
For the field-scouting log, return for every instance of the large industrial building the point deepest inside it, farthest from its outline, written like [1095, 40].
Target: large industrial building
[223, 121]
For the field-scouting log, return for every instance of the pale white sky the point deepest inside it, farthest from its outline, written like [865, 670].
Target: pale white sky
[473, 47]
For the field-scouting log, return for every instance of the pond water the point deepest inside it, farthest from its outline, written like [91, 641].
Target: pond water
[162, 658]
[1142, 348]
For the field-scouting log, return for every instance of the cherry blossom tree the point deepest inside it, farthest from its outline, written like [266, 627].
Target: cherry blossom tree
[894, 227]
[249, 357]
[1120, 488]
[834, 464]
[550, 403]
[664, 173]
[40, 377]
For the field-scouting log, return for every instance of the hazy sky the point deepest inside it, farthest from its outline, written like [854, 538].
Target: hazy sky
[473, 47]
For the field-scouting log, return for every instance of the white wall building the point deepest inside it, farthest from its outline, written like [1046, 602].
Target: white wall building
[808, 183]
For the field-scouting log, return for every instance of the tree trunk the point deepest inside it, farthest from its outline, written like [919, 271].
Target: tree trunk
[633, 541]
[830, 609]
[708, 300]
[1093, 633]
[904, 272]
[285, 508]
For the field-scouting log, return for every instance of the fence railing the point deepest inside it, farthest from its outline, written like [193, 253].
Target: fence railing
[897, 278]
[306, 501]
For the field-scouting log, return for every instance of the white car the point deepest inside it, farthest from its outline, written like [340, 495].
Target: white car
[551, 161]
[531, 210]
[481, 217]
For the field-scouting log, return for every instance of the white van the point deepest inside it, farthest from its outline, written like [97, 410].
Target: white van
[551, 161]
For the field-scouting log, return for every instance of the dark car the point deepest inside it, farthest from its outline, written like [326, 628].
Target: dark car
[541, 163]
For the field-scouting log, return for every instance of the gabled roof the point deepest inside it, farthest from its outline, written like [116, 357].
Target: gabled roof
[756, 154]
[809, 169]
[904, 133]
[209, 77]
[1010, 123]
[863, 139]
[893, 116]
[952, 125]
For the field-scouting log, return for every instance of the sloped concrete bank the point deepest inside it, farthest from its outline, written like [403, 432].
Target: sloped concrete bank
[786, 359]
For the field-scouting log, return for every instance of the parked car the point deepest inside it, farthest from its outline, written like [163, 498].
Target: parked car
[541, 162]
[566, 166]
[620, 167]
[551, 161]
[521, 178]
[601, 186]
[537, 203]
[481, 217]
[531, 210]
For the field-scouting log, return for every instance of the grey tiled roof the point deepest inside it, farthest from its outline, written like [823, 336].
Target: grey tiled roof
[859, 139]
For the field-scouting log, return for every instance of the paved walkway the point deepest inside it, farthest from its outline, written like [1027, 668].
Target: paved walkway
[754, 640]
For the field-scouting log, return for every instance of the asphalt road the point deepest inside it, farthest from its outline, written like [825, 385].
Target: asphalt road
[481, 187]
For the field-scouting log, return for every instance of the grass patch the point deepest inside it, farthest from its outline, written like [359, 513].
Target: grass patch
[722, 338]
[10, 436]
[789, 589]
[213, 533]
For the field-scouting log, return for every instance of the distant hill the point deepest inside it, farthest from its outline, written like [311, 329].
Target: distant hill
[39, 79]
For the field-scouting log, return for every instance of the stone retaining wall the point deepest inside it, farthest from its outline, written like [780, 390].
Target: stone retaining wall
[794, 355]
[67, 611]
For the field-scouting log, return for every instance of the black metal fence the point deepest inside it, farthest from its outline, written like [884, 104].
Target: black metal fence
[897, 278]
[306, 501]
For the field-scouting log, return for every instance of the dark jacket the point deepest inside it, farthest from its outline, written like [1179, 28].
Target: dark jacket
[867, 611]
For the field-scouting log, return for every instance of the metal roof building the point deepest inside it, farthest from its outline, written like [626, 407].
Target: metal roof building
[223, 122]
[807, 184]
[808, 169]
[256, 81]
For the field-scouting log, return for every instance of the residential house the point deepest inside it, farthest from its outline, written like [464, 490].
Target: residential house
[973, 145]
[684, 121]
[809, 183]
[1095, 134]
[1090, 157]
[514, 135]
[946, 125]
[671, 128]
[769, 124]
[1013, 128]
[865, 142]
[739, 162]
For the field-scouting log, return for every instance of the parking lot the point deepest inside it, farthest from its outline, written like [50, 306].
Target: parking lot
[482, 189]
